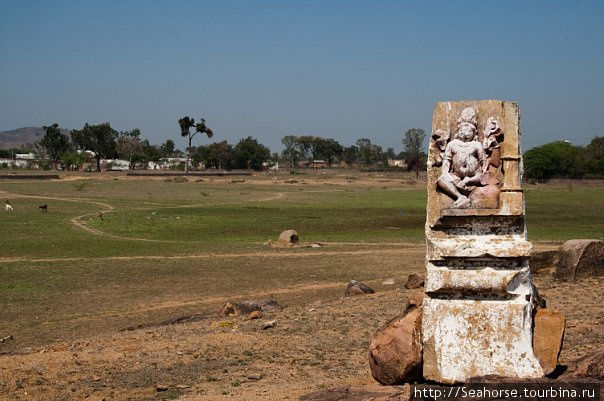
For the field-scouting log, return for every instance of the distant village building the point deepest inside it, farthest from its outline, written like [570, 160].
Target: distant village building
[25, 156]
[270, 166]
[313, 164]
[344, 164]
[397, 163]
[4, 162]
[20, 160]
[115, 164]
[169, 163]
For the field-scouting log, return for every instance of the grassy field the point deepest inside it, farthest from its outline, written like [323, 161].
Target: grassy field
[165, 247]
[213, 215]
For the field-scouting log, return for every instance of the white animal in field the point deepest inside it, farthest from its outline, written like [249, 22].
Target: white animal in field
[8, 207]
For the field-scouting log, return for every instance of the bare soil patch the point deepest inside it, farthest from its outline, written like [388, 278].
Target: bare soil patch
[318, 341]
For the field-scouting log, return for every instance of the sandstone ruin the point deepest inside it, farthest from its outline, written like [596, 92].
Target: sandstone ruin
[477, 316]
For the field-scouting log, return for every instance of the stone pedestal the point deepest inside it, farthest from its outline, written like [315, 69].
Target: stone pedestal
[478, 311]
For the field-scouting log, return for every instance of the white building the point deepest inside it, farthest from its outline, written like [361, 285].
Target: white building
[116, 164]
[25, 156]
[397, 163]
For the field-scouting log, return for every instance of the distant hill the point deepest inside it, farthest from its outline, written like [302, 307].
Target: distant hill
[22, 136]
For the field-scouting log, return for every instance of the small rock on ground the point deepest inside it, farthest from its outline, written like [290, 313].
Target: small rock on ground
[415, 280]
[357, 288]
[269, 325]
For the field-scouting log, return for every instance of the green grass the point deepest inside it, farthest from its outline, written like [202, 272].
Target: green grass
[319, 216]
[559, 213]
[236, 217]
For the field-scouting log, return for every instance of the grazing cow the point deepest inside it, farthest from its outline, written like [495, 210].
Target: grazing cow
[8, 207]
[43, 208]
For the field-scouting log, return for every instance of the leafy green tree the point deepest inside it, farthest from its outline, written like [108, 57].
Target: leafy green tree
[328, 149]
[593, 158]
[555, 159]
[388, 154]
[217, 155]
[368, 152]
[100, 139]
[167, 149]
[129, 146]
[249, 153]
[307, 144]
[186, 123]
[73, 160]
[54, 143]
[292, 152]
[149, 153]
[350, 154]
[413, 140]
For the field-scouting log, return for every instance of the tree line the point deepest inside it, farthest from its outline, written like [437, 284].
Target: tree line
[310, 148]
[561, 159]
[107, 143]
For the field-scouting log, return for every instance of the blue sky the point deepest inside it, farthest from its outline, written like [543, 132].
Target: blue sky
[341, 69]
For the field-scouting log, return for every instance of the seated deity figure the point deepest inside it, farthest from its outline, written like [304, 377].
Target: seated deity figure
[464, 163]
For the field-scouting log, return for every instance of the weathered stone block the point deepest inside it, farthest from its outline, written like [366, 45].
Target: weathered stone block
[466, 338]
[475, 246]
[443, 280]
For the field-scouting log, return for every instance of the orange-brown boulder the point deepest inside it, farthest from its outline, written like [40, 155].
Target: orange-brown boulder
[395, 352]
[415, 280]
[416, 298]
[548, 334]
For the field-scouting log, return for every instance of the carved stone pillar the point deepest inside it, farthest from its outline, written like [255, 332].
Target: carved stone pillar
[478, 313]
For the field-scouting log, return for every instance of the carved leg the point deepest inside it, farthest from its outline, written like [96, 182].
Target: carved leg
[449, 188]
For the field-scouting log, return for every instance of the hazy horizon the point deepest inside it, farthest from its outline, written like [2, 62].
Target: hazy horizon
[344, 70]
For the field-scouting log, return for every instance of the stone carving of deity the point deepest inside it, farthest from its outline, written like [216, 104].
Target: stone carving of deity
[465, 160]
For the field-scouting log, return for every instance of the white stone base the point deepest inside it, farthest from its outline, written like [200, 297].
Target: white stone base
[467, 338]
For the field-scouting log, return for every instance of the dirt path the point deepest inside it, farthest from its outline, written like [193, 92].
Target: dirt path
[412, 249]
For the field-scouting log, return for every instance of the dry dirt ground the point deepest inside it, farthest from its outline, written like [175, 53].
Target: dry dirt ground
[319, 340]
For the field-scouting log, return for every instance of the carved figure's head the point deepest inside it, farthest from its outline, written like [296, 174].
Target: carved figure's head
[492, 127]
[441, 137]
[466, 132]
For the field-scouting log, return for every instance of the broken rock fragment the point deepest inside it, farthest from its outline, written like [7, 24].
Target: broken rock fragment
[395, 352]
